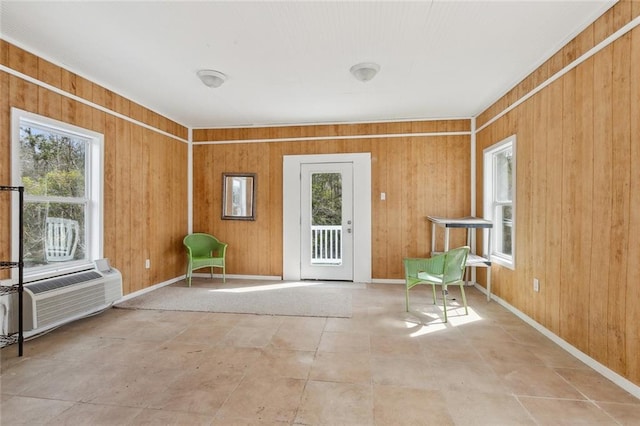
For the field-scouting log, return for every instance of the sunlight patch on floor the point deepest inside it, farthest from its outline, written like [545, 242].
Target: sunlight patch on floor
[433, 322]
[267, 287]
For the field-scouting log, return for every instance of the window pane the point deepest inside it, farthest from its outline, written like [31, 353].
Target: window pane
[507, 213]
[504, 229]
[53, 232]
[52, 164]
[507, 229]
[504, 167]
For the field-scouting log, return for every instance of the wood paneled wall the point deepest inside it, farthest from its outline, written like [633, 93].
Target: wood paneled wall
[578, 197]
[145, 173]
[421, 175]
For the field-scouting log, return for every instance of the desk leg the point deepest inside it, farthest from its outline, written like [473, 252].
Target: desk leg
[446, 239]
[489, 284]
[433, 238]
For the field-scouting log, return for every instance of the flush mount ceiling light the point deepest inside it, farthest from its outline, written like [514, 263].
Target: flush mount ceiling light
[212, 78]
[365, 71]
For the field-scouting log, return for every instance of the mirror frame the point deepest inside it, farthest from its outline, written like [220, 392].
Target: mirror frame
[247, 203]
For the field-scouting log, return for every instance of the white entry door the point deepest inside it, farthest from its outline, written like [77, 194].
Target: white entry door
[326, 222]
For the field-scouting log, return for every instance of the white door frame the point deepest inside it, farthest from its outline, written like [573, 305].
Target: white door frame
[361, 212]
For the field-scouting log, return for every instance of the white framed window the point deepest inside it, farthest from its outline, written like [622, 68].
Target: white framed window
[61, 168]
[500, 200]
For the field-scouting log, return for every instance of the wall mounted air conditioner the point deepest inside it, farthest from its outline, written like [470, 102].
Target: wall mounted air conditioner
[51, 302]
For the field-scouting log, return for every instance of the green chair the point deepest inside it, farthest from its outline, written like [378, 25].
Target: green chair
[443, 270]
[204, 250]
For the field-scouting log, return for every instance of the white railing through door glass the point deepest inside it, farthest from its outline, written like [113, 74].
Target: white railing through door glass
[326, 244]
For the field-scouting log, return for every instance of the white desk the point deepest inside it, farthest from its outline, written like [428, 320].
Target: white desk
[469, 223]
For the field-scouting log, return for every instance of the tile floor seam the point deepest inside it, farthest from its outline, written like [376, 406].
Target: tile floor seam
[586, 397]
[553, 398]
[609, 414]
[302, 394]
[215, 416]
[526, 410]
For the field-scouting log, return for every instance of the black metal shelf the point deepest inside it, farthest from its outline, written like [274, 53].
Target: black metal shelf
[9, 289]
[6, 340]
[9, 265]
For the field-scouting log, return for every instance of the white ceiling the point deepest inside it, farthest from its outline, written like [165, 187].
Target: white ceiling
[288, 62]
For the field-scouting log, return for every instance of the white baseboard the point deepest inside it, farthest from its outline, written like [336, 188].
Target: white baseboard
[148, 289]
[239, 277]
[386, 281]
[625, 384]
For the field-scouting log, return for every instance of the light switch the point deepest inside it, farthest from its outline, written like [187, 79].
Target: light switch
[383, 196]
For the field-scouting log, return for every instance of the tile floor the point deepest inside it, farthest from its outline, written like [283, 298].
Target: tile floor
[383, 366]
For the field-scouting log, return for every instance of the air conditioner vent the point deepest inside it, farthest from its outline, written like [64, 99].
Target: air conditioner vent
[58, 300]
[62, 281]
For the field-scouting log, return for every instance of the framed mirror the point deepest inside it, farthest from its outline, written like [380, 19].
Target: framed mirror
[239, 196]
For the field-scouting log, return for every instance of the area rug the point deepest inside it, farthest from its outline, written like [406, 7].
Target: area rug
[315, 301]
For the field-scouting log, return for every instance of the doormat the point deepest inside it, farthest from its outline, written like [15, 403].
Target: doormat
[265, 299]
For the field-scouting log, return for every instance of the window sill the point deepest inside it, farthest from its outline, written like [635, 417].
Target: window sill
[502, 261]
[43, 272]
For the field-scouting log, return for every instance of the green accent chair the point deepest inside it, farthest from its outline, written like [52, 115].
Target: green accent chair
[443, 270]
[203, 251]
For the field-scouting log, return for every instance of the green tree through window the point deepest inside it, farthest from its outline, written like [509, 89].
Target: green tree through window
[326, 211]
[53, 170]
[326, 199]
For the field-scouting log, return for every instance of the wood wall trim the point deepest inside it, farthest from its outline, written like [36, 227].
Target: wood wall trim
[86, 102]
[623, 12]
[333, 131]
[574, 64]
[333, 138]
[29, 67]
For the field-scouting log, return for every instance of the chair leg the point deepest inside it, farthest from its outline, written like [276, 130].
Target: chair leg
[433, 289]
[224, 275]
[464, 299]
[211, 272]
[189, 275]
[406, 297]
[444, 302]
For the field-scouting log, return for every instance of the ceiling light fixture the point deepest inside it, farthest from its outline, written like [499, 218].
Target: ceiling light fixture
[365, 71]
[212, 78]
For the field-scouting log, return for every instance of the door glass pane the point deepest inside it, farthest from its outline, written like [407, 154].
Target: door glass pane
[326, 218]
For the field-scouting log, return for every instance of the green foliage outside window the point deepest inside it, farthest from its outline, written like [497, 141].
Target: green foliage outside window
[326, 199]
[53, 174]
